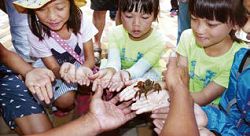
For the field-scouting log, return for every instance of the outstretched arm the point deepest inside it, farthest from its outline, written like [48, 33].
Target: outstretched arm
[13, 61]
[103, 116]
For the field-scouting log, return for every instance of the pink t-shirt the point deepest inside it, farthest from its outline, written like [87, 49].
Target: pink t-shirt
[48, 46]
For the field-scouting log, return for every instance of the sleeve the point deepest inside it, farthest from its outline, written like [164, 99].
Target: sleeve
[223, 78]
[139, 68]
[148, 60]
[114, 60]
[88, 30]
[38, 48]
[219, 122]
[113, 37]
[182, 47]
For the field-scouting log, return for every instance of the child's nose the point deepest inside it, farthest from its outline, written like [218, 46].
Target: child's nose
[51, 16]
[200, 28]
[136, 22]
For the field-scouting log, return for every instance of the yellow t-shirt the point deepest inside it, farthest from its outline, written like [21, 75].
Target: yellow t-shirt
[202, 68]
[149, 49]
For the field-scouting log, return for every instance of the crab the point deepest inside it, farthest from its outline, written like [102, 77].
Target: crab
[145, 87]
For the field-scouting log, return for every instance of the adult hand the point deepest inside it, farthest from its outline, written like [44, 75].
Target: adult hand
[118, 81]
[68, 72]
[82, 75]
[38, 82]
[159, 116]
[109, 115]
[175, 74]
[153, 101]
[102, 78]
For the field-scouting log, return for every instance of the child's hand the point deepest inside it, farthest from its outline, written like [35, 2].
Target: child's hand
[118, 81]
[82, 75]
[129, 92]
[68, 72]
[159, 116]
[205, 132]
[39, 83]
[200, 116]
[102, 78]
[153, 101]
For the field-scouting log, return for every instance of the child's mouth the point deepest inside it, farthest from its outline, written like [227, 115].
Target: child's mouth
[136, 31]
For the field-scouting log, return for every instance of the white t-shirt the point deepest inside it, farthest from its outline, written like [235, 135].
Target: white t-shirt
[48, 46]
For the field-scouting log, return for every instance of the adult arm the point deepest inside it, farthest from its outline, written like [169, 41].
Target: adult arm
[14, 62]
[103, 116]
[181, 114]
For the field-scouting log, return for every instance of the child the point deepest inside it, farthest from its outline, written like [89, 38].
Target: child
[18, 108]
[135, 47]
[207, 50]
[61, 37]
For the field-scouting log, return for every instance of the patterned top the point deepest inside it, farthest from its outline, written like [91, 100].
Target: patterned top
[148, 50]
[202, 68]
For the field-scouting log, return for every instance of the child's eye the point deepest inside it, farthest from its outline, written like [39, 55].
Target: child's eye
[212, 25]
[145, 17]
[60, 8]
[128, 16]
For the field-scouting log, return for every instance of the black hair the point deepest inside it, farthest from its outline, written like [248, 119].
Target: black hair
[224, 11]
[142, 6]
[40, 30]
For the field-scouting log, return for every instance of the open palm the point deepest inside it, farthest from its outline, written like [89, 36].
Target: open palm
[108, 114]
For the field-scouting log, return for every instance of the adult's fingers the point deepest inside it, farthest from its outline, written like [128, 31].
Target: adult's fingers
[38, 93]
[130, 116]
[125, 104]
[115, 99]
[49, 90]
[51, 75]
[45, 94]
[98, 93]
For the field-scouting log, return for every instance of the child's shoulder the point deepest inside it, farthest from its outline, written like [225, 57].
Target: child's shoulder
[238, 45]
[187, 33]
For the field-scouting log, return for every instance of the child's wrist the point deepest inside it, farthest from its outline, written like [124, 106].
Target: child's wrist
[129, 75]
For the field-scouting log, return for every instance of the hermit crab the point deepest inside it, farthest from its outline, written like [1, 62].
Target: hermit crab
[145, 87]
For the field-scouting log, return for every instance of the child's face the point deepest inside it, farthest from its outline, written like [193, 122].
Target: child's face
[209, 32]
[246, 28]
[137, 24]
[55, 14]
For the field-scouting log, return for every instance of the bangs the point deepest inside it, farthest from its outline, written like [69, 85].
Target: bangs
[220, 10]
[141, 6]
